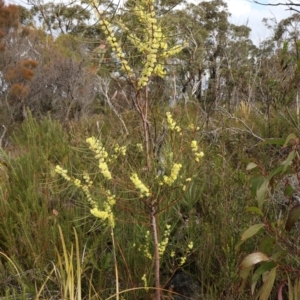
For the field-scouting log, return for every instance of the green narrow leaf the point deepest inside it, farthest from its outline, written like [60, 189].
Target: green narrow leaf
[244, 273]
[290, 286]
[279, 254]
[272, 142]
[251, 166]
[293, 217]
[295, 290]
[260, 193]
[291, 156]
[253, 258]
[238, 245]
[252, 230]
[78, 266]
[266, 266]
[291, 136]
[266, 245]
[277, 170]
[256, 182]
[268, 285]
[254, 209]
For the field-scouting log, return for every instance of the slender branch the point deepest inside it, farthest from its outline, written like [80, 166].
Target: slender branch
[2, 135]
[156, 252]
[289, 5]
[115, 262]
[104, 88]
[248, 129]
[146, 131]
[277, 4]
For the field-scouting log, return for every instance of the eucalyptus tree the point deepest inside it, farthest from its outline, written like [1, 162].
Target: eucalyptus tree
[218, 64]
[238, 70]
[59, 18]
[279, 64]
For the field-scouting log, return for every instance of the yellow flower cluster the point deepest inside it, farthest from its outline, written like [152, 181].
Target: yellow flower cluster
[101, 214]
[111, 199]
[197, 154]
[187, 252]
[64, 173]
[105, 214]
[192, 127]
[150, 41]
[139, 147]
[145, 246]
[101, 155]
[163, 244]
[191, 245]
[87, 179]
[111, 39]
[152, 44]
[144, 191]
[183, 185]
[171, 123]
[169, 180]
[144, 279]
[119, 150]
[174, 50]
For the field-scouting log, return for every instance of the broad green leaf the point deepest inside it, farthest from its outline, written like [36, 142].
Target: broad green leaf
[290, 157]
[252, 230]
[276, 171]
[288, 191]
[266, 266]
[238, 245]
[256, 182]
[291, 136]
[293, 217]
[251, 166]
[253, 258]
[244, 274]
[268, 285]
[254, 209]
[266, 245]
[281, 253]
[260, 193]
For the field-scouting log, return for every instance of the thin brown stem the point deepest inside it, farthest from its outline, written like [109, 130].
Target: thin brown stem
[156, 253]
[115, 263]
[146, 132]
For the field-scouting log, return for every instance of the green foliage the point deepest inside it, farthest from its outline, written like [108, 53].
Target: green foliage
[51, 246]
[275, 235]
[206, 213]
[30, 208]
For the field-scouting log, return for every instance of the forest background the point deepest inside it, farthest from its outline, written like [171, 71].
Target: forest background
[147, 153]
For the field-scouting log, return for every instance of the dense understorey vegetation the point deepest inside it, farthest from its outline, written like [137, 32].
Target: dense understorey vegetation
[147, 153]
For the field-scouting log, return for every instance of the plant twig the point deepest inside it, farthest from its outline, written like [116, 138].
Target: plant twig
[2, 135]
[115, 263]
[156, 252]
